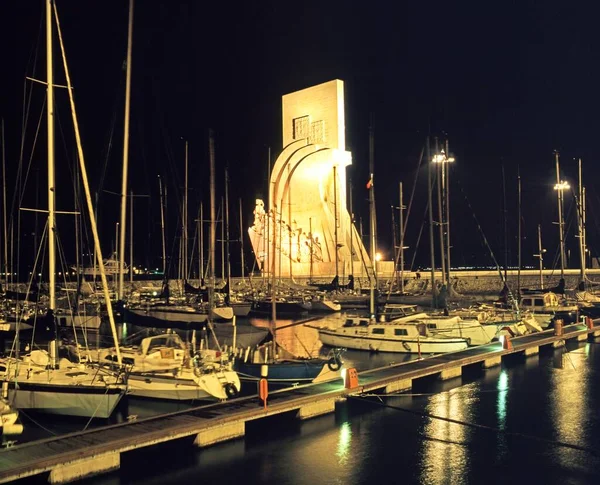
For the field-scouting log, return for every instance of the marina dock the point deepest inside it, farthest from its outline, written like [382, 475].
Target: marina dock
[82, 454]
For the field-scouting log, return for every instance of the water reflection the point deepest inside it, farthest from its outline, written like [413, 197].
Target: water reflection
[345, 439]
[502, 398]
[568, 402]
[444, 447]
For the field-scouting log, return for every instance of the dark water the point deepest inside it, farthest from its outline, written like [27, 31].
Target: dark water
[533, 420]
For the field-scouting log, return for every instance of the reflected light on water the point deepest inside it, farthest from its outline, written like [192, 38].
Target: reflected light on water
[345, 439]
[502, 398]
[443, 449]
[568, 400]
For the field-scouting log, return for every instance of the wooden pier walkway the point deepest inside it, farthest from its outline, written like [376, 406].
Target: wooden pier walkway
[81, 454]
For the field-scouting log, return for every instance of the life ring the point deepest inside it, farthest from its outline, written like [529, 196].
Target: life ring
[334, 364]
[230, 390]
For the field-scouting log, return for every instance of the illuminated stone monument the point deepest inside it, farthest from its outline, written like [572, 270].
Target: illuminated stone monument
[306, 229]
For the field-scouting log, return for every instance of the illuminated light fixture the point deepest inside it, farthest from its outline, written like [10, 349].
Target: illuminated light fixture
[378, 257]
[442, 158]
[562, 185]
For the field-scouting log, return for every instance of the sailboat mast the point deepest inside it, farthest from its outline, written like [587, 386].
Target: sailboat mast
[580, 218]
[431, 240]
[242, 239]
[372, 221]
[351, 238]
[519, 235]
[541, 256]
[162, 227]
[51, 181]
[446, 182]
[335, 216]
[201, 230]
[4, 207]
[88, 196]
[440, 200]
[559, 188]
[227, 254]
[185, 217]
[401, 240]
[125, 155]
[213, 229]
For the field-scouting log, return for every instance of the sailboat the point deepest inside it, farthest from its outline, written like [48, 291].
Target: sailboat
[40, 380]
[281, 372]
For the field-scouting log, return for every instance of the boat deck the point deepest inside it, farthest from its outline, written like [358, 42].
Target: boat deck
[76, 455]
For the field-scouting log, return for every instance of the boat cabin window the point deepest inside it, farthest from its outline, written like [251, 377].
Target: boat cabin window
[378, 331]
[527, 302]
[432, 325]
[364, 323]
[400, 331]
[348, 323]
[538, 302]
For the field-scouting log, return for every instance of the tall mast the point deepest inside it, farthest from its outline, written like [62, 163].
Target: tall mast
[125, 156]
[131, 237]
[446, 182]
[559, 188]
[335, 217]
[540, 255]
[222, 240]
[310, 268]
[440, 212]
[242, 239]
[4, 206]
[431, 240]
[372, 220]
[581, 223]
[227, 254]
[401, 222]
[519, 235]
[185, 217]
[87, 193]
[162, 227]
[201, 230]
[213, 228]
[351, 234]
[51, 187]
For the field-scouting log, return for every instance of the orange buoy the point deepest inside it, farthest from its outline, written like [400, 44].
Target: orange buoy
[558, 327]
[351, 378]
[589, 323]
[263, 391]
[507, 344]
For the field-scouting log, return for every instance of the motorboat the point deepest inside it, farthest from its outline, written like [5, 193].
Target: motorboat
[362, 333]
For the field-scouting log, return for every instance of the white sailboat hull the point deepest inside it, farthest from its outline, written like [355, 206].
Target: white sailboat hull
[185, 388]
[84, 402]
[424, 345]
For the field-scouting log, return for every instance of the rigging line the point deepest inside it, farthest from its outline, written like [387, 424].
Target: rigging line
[502, 278]
[482, 426]
[403, 228]
[27, 99]
[412, 263]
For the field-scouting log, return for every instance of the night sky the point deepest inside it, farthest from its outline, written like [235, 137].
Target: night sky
[506, 83]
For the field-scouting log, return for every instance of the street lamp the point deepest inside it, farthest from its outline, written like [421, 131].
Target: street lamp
[560, 187]
[442, 158]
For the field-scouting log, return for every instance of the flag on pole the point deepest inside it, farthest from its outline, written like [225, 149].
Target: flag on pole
[370, 182]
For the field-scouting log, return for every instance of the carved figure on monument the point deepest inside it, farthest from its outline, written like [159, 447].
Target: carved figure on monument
[259, 214]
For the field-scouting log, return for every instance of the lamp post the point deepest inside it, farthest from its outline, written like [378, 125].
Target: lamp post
[560, 186]
[442, 159]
